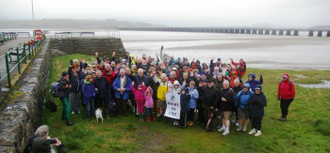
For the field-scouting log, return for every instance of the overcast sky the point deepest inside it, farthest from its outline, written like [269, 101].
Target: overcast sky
[295, 13]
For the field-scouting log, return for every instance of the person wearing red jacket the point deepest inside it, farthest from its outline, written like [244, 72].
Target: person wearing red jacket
[108, 74]
[241, 67]
[285, 93]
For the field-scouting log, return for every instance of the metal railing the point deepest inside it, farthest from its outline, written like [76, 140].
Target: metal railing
[21, 54]
[5, 36]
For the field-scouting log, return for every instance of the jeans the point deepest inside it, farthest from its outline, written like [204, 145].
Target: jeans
[149, 111]
[74, 102]
[90, 109]
[66, 108]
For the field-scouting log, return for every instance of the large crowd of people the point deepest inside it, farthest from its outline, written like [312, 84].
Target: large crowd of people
[210, 93]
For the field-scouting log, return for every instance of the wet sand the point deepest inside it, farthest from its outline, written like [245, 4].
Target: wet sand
[259, 51]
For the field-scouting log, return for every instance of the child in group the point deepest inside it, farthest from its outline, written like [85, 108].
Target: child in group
[192, 91]
[139, 98]
[149, 103]
[184, 104]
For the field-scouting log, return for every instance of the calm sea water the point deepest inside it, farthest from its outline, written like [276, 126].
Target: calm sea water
[259, 51]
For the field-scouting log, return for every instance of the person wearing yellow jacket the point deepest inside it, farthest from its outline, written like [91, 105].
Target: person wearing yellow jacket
[164, 86]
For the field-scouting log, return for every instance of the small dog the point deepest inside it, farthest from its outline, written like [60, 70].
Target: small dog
[98, 115]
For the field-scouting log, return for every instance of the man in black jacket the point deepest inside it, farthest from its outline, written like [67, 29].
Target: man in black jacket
[64, 86]
[103, 89]
[74, 91]
[209, 101]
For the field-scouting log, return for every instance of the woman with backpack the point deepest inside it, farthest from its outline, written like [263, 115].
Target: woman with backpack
[285, 93]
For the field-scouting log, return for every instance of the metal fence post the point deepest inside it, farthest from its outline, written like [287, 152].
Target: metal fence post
[29, 48]
[24, 53]
[7, 70]
[18, 63]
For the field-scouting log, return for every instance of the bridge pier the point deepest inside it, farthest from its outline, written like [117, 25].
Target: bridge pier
[273, 32]
[296, 33]
[248, 31]
[311, 33]
[319, 33]
[288, 32]
[267, 32]
[281, 33]
[261, 32]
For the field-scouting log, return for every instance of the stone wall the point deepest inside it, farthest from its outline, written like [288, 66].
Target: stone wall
[105, 46]
[19, 120]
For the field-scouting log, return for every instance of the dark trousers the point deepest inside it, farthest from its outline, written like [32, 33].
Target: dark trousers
[207, 114]
[191, 114]
[285, 107]
[121, 106]
[183, 119]
[256, 123]
[200, 112]
[101, 103]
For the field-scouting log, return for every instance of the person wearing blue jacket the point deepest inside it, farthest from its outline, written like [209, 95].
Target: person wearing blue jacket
[122, 89]
[254, 82]
[192, 91]
[89, 93]
[258, 101]
[242, 102]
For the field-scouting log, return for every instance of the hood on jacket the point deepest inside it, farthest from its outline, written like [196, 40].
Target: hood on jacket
[247, 85]
[258, 87]
[286, 75]
[176, 82]
[253, 76]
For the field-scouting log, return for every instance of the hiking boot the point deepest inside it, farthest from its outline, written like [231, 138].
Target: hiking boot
[78, 112]
[69, 123]
[153, 118]
[236, 124]
[188, 122]
[258, 133]
[239, 129]
[72, 113]
[283, 119]
[253, 131]
[148, 119]
[191, 124]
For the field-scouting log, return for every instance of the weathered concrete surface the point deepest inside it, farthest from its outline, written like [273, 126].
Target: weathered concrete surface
[19, 120]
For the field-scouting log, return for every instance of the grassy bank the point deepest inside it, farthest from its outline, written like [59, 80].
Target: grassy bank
[307, 128]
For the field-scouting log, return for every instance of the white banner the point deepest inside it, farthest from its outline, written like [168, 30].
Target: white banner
[173, 105]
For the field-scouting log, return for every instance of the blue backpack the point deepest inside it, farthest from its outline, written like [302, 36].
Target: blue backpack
[245, 103]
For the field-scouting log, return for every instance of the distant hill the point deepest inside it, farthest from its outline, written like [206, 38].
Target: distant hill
[321, 27]
[71, 24]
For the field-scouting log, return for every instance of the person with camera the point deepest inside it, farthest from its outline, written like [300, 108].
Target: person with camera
[42, 143]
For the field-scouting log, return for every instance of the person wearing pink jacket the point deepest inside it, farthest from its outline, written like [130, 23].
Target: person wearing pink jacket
[139, 98]
[149, 103]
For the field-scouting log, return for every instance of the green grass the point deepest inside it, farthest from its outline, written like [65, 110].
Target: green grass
[307, 128]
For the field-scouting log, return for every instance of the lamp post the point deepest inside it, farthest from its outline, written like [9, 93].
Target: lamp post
[33, 19]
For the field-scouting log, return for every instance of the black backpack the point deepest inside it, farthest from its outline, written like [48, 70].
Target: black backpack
[51, 105]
